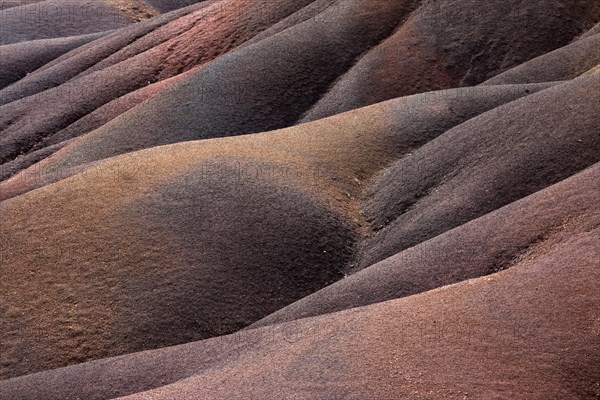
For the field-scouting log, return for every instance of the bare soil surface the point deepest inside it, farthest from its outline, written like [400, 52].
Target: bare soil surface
[314, 199]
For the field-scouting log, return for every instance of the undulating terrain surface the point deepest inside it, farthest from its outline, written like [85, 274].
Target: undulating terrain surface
[299, 199]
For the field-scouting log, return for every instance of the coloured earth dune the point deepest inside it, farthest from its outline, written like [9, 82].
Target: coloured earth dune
[299, 199]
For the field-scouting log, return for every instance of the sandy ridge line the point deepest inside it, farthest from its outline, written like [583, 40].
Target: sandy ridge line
[136, 10]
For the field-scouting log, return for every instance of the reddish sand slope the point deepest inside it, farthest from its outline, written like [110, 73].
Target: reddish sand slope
[300, 199]
[509, 335]
[457, 42]
[59, 18]
[17, 60]
[282, 86]
[565, 63]
[154, 200]
[485, 163]
[495, 242]
[4, 4]
[170, 5]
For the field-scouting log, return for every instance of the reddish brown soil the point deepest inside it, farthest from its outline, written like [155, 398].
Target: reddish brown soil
[508, 335]
[19, 59]
[565, 63]
[31, 20]
[315, 199]
[502, 239]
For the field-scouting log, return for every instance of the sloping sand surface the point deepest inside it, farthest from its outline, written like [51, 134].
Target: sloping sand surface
[299, 199]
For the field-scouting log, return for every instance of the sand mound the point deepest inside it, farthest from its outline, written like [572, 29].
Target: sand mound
[565, 63]
[170, 5]
[292, 176]
[315, 199]
[483, 164]
[4, 4]
[456, 43]
[525, 333]
[316, 58]
[154, 56]
[17, 60]
[58, 18]
[495, 242]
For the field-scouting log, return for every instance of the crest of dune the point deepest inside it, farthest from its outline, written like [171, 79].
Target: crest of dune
[315, 199]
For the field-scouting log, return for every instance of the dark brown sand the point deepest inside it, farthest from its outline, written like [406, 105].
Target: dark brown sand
[565, 63]
[17, 60]
[33, 20]
[507, 335]
[314, 199]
